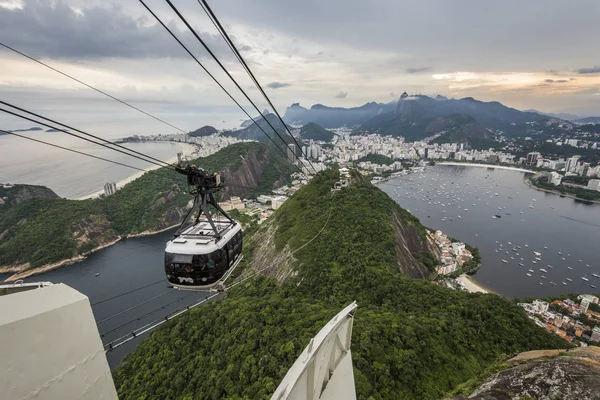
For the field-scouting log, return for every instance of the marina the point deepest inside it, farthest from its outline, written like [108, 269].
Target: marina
[515, 227]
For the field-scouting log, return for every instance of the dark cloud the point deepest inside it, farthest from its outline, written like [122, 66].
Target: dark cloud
[593, 70]
[278, 85]
[341, 95]
[53, 29]
[556, 80]
[417, 70]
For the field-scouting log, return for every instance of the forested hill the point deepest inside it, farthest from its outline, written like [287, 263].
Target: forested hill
[40, 231]
[411, 339]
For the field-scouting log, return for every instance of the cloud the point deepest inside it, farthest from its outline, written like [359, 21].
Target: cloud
[278, 85]
[556, 80]
[57, 30]
[417, 70]
[341, 95]
[593, 70]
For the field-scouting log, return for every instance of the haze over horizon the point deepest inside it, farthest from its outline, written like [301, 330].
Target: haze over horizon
[337, 53]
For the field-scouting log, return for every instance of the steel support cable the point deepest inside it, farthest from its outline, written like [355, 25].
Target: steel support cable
[152, 325]
[211, 15]
[126, 293]
[91, 87]
[215, 80]
[193, 31]
[106, 143]
[134, 307]
[71, 150]
[118, 328]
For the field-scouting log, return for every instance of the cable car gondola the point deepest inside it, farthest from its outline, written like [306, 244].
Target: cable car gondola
[203, 254]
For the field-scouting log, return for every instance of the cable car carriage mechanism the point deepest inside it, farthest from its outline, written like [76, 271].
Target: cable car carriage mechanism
[203, 254]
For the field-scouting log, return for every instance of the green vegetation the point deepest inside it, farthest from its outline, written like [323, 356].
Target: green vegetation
[40, 231]
[376, 159]
[582, 194]
[315, 132]
[411, 339]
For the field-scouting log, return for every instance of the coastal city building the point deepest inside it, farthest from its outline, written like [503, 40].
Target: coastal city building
[576, 323]
[453, 255]
[594, 184]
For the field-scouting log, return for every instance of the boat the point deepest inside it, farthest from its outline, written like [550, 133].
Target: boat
[526, 245]
[593, 286]
[543, 270]
[584, 278]
[538, 258]
[530, 270]
[546, 247]
[564, 283]
[509, 243]
[543, 276]
[504, 261]
[537, 253]
[97, 274]
[528, 274]
[521, 264]
[570, 280]
[515, 249]
[550, 266]
[569, 268]
[595, 275]
[533, 261]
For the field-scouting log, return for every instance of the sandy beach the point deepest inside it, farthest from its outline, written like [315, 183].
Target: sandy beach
[471, 286]
[188, 149]
[484, 166]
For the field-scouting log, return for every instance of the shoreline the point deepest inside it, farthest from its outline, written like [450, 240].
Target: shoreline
[466, 164]
[472, 285]
[19, 274]
[571, 196]
[187, 150]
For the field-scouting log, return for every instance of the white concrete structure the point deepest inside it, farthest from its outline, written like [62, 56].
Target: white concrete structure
[51, 348]
[541, 306]
[594, 184]
[324, 369]
[554, 178]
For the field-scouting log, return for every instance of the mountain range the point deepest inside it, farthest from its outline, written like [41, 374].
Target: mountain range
[417, 117]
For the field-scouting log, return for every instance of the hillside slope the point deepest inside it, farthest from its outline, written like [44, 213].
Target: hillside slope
[40, 231]
[16, 194]
[315, 132]
[411, 340]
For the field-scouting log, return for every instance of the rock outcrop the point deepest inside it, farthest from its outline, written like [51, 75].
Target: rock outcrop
[546, 375]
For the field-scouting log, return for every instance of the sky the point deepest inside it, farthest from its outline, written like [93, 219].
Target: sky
[525, 54]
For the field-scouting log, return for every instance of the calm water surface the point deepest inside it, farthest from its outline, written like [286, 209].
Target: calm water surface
[530, 219]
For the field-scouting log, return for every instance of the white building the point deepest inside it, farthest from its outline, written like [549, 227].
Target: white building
[540, 306]
[554, 178]
[592, 299]
[583, 307]
[594, 184]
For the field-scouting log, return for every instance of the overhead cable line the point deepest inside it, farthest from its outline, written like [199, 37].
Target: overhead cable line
[118, 328]
[152, 325]
[216, 81]
[106, 143]
[91, 87]
[68, 149]
[126, 293]
[182, 18]
[211, 15]
[134, 307]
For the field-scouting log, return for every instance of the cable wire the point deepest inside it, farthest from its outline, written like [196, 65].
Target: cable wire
[118, 328]
[193, 31]
[126, 293]
[215, 80]
[211, 15]
[91, 87]
[71, 150]
[152, 325]
[134, 307]
[84, 133]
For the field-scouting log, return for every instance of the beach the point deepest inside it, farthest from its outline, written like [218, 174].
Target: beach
[470, 285]
[188, 150]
